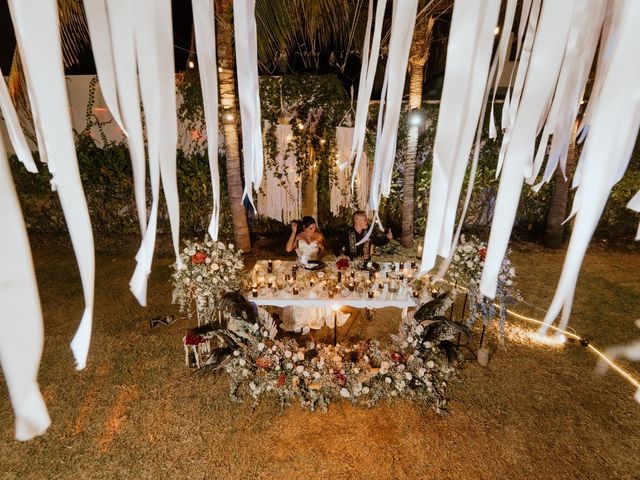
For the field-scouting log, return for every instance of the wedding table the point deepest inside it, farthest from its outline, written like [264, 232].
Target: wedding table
[313, 288]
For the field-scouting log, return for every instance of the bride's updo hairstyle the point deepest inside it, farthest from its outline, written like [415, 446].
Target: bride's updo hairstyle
[305, 223]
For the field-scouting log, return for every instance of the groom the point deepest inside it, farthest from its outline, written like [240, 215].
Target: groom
[357, 233]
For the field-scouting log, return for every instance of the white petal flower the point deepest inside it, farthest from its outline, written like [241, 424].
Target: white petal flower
[344, 392]
[287, 354]
[365, 390]
[421, 372]
[221, 246]
[316, 375]
[260, 346]
[242, 362]
[299, 369]
[289, 366]
[236, 353]
[387, 379]
[408, 376]
[427, 344]
[430, 364]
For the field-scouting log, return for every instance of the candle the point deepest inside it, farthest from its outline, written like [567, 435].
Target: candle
[269, 266]
[381, 286]
[351, 286]
[370, 293]
[295, 290]
[331, 292]
[254, 292]
[339, 277]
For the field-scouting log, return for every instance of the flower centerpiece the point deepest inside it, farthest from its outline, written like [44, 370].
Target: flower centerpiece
[466, 270]
[211, 269]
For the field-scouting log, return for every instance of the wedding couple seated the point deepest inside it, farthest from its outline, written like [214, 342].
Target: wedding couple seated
[310, 245]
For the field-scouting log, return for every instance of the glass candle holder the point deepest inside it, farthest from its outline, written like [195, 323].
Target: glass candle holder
[380, 286]
[351, 287]
[370, 294]
[269, 266]
[254, 292]
[295, 290]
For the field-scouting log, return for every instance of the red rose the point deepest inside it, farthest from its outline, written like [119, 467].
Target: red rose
[198, 258]
[341, 378]
[396, 357]
[281, 379]
[192, 338]
[342, 264]
[483, 253]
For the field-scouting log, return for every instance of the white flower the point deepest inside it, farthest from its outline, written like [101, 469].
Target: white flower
[242, 362]
[305, 374]
[236, 353]
[252, 386]
[287, 354]
[289, 366]
[215, 267]
[221, 246]
[207, 261]
[231, 246]
[199, 278]
[408, 376]
[299, 369]
[316, 375]
[410, 339]
[427, 344]
[277, 368]
[260, 346]
[344, 392]
[430, 364]
[421, 372]
[387, 379]
[365, 390]
[300, 356]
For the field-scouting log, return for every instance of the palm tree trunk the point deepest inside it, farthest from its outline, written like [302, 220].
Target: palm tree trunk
[554, 232]
[417, 61]
[226, 80]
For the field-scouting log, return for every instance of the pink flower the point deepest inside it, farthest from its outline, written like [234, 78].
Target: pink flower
[483, 253]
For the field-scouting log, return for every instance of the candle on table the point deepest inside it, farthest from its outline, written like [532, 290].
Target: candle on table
[295, 290]
[370, 293]
[254, 292]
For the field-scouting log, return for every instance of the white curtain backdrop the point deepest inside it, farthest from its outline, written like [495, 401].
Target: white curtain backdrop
[280, 196]
[341, 194]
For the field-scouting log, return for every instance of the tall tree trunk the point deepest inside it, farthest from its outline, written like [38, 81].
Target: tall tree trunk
[226, 80]
[554, 231]
[417, 60]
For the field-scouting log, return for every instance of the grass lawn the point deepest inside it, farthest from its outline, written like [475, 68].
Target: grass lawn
[136, 411]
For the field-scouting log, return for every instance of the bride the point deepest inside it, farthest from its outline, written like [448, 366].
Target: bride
[309, 245]
[306, 240]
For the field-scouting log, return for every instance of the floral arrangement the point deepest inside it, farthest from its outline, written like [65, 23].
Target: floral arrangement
[342, 263]
[211, 269]
[415, 367]
[466, 270]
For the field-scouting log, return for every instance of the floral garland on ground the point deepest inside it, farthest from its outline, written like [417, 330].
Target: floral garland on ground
[466, 270]
[416, 367]
[211, 270]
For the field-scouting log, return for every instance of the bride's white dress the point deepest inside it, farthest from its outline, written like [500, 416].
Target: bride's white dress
[302, 319]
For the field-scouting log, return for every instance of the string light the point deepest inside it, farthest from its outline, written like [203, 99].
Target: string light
[191, 64]
[560, 338]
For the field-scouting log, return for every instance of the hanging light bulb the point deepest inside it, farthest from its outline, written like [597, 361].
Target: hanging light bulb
[496, 31]
[300, 126]
[191, 64]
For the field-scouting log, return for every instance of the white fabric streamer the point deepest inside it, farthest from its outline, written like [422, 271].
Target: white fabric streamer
[16, 135]
[244, 22]
[204, 26]
[154, 46]
[468, 59]
[612, 135]
[36, 26]
[367, 77]
[21, 329]
[100, 35]
[122, 25]
[544, 67]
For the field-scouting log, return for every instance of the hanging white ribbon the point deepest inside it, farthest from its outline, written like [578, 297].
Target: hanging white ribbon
[21, 329]
[367, 77]
[468, 59]
[244, 22]
[36, 26]
[580, 50]
[612, 135]
[402, 26]
[544, 67]
[121, 27]
[503, 44]
[100, 35]
[204, 27]
[16, 135]
[634, 204]
[154, 47]
[511, 106]
[341, 194]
